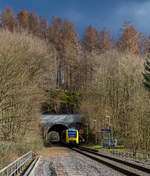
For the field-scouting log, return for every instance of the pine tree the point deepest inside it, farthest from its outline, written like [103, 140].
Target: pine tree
[71, 46]
[43, 28]
[90, 41]
[146, 73]
[144, 44]
[106, 40]
[8, 20]
[70, 39]
[33, 22]
[65, 39]
[129, 40]
[22, 18]
[56, 33]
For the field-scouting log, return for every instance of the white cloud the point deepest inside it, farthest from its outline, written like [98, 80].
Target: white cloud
[143, 9]
[137, 13]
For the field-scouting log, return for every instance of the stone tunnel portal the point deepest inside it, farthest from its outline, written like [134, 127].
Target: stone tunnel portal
[53, 125]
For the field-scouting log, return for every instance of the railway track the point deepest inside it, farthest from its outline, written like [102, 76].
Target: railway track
[124, 167]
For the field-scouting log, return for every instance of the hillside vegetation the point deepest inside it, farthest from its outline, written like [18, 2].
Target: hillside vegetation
[46, 68]
[26, 64]
[117, 90]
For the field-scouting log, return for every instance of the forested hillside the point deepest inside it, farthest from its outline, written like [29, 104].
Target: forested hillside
[46, 67]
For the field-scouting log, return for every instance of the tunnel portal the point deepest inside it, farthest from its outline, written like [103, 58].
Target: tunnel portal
[58, 123]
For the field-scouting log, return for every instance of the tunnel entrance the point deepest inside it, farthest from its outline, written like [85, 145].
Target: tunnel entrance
[54, 133]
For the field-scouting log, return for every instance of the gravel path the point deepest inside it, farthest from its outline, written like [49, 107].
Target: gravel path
[73, 165]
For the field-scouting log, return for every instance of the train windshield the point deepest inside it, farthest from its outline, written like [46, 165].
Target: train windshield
[72, 133]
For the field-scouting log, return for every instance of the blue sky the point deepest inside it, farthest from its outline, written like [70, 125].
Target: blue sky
[99, 13]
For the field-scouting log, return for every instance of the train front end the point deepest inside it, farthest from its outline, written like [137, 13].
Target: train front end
[72, 136]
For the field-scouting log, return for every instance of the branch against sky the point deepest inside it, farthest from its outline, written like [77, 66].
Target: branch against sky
[98, 13]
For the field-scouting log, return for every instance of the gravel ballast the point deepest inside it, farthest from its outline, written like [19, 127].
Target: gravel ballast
[73, 165]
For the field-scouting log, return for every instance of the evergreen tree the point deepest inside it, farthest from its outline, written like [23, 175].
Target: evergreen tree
[90, 41]
[106, 40]
[65, 39]
[144, 44]
[43, 28]
[8, 20]
[129, 40]
[71, 46]
[56, 37]
[34, 24]
[146, 73]
[23, 22]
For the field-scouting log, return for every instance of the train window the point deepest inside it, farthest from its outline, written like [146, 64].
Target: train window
[72, 134]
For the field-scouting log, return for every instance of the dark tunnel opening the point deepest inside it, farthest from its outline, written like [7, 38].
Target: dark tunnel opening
[58, 128]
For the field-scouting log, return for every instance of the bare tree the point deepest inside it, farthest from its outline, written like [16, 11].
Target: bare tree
[24, 67]
[116, 89]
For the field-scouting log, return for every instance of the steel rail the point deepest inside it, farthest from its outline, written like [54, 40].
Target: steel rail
[140, 157]
[108, 161]
[130, 164]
